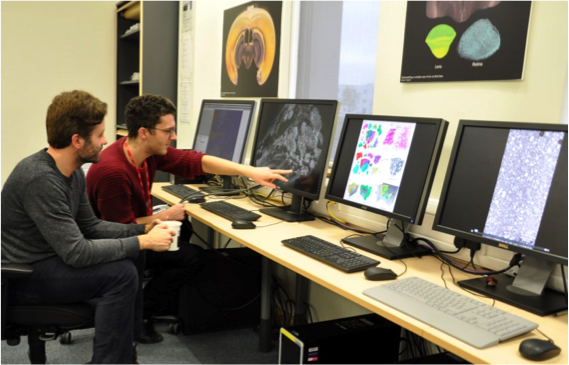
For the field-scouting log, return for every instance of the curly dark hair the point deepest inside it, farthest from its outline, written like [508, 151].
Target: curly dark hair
[145, 111]
[73, 112]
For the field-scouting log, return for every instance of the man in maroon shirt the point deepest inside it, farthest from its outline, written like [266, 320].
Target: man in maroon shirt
[119, 190]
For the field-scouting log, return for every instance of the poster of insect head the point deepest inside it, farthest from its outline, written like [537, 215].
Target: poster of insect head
[251, 49]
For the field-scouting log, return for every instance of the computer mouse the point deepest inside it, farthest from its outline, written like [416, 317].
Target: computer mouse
[536, 349]
[196, 200]
[243, 224]
[378, 273]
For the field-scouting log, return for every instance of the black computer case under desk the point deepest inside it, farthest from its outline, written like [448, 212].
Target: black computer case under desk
[225, 295]
[365, 339]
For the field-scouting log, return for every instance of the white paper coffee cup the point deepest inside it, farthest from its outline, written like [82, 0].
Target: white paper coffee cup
[174, 225]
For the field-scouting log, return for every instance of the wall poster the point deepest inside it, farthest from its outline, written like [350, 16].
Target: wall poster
[465, 40]
[251, 49]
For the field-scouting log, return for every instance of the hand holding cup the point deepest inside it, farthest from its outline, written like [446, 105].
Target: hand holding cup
[174, 226]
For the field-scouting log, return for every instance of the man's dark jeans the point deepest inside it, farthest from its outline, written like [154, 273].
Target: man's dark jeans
[117, 284]
[172, 270]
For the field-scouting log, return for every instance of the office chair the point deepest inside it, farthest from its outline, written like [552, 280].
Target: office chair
[40, 322]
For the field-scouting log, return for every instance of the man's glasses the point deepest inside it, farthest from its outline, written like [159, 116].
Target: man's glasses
[170, 132]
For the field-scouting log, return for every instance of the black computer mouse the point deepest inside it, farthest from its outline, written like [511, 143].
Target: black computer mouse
[378, 273]
[536, 349]
[243, 224]
[196, 200]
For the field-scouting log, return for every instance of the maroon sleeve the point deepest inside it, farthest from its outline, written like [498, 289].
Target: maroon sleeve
[113, 198]
[186, 164]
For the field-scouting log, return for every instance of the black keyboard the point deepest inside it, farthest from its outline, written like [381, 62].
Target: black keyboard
[182, 191]
[230, 211]
[331, 254]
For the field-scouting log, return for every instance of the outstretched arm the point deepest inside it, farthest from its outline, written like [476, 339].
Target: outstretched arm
[261, 175]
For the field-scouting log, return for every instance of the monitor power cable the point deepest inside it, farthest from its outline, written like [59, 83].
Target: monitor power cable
[564, 281]
[514, 262]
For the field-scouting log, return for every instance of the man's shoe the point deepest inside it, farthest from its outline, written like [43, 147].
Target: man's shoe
[134, 356]
[149, 334]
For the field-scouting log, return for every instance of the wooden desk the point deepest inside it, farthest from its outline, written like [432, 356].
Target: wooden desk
[267, 241]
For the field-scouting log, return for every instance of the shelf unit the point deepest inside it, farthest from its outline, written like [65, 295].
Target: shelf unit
[128, 60]
[152, 51]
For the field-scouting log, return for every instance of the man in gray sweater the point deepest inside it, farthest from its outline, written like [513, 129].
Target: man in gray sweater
[47, 222]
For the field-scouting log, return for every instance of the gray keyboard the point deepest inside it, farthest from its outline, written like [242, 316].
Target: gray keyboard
[469, 320]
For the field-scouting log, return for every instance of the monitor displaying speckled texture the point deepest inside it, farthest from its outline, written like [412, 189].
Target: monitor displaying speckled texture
[506, 186]
[296, 134]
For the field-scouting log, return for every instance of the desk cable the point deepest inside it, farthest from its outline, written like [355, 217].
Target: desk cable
[205, 195]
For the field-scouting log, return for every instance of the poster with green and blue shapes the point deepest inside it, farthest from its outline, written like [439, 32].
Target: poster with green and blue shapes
[465, 40]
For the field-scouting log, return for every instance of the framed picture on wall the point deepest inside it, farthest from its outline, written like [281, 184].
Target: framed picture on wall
[251, 49]
[465, 40]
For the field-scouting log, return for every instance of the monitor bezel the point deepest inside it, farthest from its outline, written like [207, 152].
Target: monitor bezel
[252, 103]
[331, 102]
[417, 219]
[437, 226]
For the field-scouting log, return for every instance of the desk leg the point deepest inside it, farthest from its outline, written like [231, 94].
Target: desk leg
[210, 237]
[265, 325]
[299, 299]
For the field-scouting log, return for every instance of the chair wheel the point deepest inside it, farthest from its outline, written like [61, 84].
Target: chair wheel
[65, 338]
[174, 328]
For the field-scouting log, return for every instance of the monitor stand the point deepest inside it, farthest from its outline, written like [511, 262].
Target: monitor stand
[225, 190]
[296, 213]
[526, 291]
[391, 245]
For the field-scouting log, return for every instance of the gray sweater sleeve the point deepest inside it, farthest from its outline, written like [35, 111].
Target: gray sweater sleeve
[78, 237]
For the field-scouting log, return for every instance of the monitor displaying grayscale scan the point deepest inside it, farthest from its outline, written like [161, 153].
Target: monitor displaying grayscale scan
[506, 187]
[295, 134]
[222, 131]
[386, 165]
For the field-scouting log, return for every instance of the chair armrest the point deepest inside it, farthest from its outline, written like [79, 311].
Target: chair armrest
[12, 271]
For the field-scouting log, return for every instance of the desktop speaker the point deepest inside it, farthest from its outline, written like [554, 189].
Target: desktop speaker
[366, 339]
[225, 295]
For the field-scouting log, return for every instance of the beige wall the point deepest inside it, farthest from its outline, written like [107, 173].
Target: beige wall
[47, 48]
[208, 52]
[536, 98]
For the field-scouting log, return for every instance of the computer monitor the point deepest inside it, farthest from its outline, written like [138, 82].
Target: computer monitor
[295, 134]
[386, 165]
[506, 186]
[222, 131]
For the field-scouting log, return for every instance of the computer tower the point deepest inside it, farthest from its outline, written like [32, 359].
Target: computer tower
[226, 293]
[365, 339]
